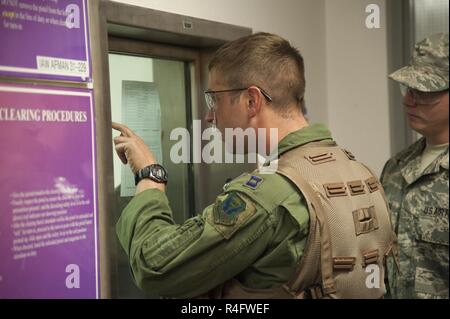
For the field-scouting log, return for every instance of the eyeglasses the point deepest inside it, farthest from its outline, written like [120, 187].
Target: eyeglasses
[210, 96]
[421, 98]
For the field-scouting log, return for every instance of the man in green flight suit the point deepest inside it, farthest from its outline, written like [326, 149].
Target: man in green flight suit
[254, 240]
[416, 179]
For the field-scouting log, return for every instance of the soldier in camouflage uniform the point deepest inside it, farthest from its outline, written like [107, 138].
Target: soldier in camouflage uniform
[416, 179]
[251, 241]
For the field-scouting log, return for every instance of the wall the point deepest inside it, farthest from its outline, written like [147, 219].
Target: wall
[357, 82]
[346, 64]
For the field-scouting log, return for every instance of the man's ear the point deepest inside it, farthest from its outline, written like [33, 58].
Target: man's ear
[254, 101]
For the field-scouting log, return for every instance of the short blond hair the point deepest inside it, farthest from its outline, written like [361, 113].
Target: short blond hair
[266, 60]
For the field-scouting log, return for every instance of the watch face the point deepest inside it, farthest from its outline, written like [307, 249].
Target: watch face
[159, 173]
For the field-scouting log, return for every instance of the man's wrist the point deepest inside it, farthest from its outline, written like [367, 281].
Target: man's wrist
[147, 183]
[140, 167]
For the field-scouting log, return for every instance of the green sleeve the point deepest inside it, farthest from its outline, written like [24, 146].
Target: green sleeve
[187, 260]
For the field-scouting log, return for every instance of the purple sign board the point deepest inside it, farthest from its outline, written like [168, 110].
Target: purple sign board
[45, 39]
[48, 205]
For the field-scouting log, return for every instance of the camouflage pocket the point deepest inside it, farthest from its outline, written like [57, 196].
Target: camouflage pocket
[430, 285]
[433, 229]
[431, 257]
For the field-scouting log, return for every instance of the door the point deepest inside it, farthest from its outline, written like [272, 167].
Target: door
[152, 96]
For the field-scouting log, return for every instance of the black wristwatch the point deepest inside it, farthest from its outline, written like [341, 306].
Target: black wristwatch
[155, 172]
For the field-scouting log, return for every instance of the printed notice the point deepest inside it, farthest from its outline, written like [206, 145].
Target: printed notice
[48, 220]
[45, 39]
[141, 111]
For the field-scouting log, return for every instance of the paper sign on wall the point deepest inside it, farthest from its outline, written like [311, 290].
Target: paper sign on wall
[141, 111]
[48, 220]
[45, 39]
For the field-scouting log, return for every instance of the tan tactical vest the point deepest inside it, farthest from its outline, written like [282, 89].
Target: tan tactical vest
[350, 231]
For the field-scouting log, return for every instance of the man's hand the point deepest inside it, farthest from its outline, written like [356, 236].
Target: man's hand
[132, 149]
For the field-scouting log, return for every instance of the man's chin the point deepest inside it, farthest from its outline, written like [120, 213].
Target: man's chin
[416, 125]
[418, 128]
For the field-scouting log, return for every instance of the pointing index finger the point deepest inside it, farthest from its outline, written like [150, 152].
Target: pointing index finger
[123, 129]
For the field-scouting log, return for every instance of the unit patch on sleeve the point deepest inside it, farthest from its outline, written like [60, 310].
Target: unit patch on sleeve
[230, 211]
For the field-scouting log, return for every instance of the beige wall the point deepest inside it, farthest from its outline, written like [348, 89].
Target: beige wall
[357, 83]
[346, 64]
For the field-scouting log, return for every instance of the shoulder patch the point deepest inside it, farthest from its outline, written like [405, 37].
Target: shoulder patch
[227, 209]
[230, 211]
[254, 182]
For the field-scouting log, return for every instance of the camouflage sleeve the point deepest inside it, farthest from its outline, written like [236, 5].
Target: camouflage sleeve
[187, 260]
[385, 172]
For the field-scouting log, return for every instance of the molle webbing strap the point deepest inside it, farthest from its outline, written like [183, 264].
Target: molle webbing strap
[393, 247]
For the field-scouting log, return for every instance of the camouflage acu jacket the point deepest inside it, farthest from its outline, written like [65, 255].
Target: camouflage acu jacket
[419, 205]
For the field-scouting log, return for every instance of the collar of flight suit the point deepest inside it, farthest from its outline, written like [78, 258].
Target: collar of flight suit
[311, 133]
[409, 162]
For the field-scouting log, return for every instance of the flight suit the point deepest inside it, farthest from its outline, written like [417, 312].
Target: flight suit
[315, 228]
[255, 231]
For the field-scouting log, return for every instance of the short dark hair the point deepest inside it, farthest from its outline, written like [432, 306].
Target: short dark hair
[266, 60]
